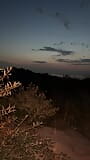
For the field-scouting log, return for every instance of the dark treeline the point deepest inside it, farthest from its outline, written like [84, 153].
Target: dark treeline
[54, 87]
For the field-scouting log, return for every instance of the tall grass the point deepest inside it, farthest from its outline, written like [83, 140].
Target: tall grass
[21, 115]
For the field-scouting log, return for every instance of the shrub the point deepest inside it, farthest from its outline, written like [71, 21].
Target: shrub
[18, 141]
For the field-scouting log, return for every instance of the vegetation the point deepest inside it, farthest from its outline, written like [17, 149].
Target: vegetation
[21, 115]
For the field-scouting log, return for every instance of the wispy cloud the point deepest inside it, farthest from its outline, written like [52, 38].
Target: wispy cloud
[67, 60]
[39, 62]
[58, 15]
[57, 44]
[75, 62]
[85, 60]
[61, 17]
[51, 49]
[40, 10]
[84, 3]
[82, 44]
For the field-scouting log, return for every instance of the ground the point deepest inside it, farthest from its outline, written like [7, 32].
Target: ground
[68, 141]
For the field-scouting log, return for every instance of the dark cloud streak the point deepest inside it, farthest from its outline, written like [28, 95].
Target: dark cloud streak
[82, 44]
[51, 49]
[39, 62]
[75, 62]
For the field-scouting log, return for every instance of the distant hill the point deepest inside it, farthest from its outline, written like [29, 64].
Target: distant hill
[57, 88]
[54, 87]
[5, 64]
[71, 95]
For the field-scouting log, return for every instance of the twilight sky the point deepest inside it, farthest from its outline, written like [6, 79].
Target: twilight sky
[48, 35]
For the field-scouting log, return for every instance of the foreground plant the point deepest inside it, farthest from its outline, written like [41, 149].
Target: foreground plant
[7, 88]
[21, 118]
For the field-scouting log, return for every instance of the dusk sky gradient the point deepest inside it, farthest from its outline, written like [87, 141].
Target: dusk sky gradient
[48, 35]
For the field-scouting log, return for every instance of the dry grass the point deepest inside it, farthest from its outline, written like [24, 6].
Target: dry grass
[21, 115]
[27, 144]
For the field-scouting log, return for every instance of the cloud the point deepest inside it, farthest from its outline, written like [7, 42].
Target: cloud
[81, 64]
[84, 3]
[60, 16]
[61, 43]
[82, 44]
[75, 62]
[51, 49]
[87, 46]
[34, 49]
[67, 60]
[67, 25]
[39, 62]
[65, 53]
[85, 60]
[40, 10]
[61, 60]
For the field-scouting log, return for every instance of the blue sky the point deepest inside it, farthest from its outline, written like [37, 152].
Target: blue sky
[49, 35]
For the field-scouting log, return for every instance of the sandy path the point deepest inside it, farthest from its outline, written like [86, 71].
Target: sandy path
[69, 142]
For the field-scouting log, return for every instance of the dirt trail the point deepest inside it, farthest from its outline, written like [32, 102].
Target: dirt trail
[69, 142]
